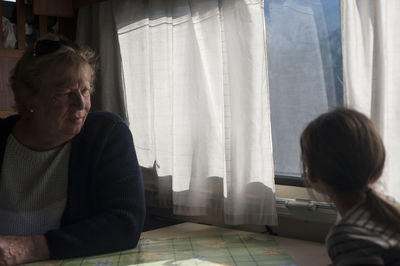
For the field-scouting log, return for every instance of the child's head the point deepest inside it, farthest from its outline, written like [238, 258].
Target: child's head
[342, 149]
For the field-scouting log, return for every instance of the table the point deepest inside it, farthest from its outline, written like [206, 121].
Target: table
[304, 253]
[198, 244]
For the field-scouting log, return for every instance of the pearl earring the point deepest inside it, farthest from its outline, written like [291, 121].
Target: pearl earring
[31, 110]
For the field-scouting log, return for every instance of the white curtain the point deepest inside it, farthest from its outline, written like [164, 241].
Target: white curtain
[196, 87]
[371, 73]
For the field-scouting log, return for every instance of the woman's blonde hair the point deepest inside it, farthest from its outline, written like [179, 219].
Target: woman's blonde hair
[30, 71]
[343, 149]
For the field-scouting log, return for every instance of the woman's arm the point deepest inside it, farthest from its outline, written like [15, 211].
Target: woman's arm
[15, 250]
[105, 208]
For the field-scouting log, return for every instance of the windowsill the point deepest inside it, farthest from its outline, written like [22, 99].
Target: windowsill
[294, 192]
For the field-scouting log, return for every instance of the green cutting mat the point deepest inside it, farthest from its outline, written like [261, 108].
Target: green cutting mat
[228, 249]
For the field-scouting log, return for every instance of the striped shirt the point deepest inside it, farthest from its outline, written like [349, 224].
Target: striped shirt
[357, 239]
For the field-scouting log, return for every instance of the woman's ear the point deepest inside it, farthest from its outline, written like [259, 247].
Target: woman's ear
[319, 186]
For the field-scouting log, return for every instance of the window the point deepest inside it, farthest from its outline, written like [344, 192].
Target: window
[305, 73]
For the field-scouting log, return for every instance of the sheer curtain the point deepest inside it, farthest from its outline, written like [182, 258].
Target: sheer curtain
[371, 67]
[196, 96]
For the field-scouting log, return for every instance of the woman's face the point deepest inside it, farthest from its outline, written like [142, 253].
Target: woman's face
[63, 102]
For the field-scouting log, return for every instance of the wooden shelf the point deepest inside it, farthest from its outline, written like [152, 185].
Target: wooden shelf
[6, 113]
[14, 53]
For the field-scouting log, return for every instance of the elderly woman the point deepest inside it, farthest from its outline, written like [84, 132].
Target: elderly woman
[70, 184]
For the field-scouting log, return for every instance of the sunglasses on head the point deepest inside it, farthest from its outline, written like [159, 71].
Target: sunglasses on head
[44, 47]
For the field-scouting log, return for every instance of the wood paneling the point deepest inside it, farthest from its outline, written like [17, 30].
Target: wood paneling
[15, 53]
[42, 25]
[67, 27]
[1, 25]
[21, 18]
[6, 95]
[58, 8]
[81, 3]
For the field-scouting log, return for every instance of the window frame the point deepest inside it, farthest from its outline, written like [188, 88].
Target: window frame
[289, 180]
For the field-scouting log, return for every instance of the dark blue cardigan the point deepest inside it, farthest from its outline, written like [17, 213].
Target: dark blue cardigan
[105, 208]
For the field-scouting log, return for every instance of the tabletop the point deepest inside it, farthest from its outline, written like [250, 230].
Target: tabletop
[304, 253]
[199, 244]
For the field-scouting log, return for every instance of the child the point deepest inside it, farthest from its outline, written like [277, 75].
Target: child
[342, 156]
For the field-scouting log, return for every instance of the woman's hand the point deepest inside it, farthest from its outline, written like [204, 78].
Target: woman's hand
[16, 250]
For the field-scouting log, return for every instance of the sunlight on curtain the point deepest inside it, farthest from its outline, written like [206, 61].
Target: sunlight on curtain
[197, 100]
[371, 67]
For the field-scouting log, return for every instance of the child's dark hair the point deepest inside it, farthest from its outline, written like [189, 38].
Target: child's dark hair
[343, 149]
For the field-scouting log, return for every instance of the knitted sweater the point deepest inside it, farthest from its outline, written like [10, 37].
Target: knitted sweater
[33, 194]
[105, 208]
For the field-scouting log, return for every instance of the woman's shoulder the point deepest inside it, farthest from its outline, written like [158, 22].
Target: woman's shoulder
[100, 123]
[7, 123]
[9, 119]
[104, 116]
[103, 119]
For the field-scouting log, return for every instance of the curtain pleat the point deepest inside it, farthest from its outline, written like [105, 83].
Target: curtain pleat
[371, 67]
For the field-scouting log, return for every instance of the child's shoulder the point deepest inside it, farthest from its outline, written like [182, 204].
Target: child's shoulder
[359, 244]
[356, 224]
